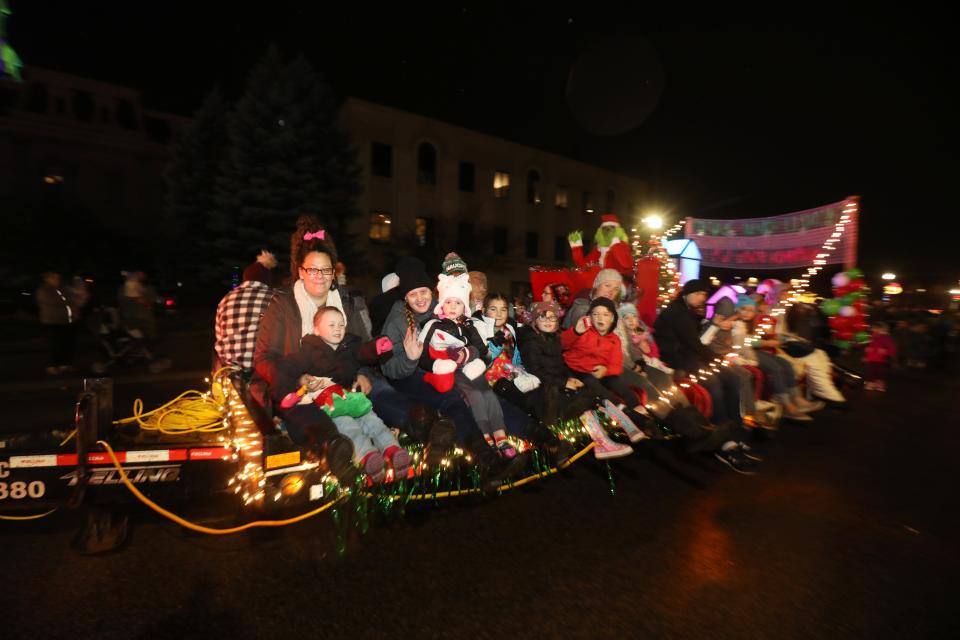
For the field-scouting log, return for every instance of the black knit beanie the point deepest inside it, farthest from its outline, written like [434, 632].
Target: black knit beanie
[607, 304]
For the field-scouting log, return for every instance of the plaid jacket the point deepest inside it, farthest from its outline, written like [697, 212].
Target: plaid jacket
[238, 317]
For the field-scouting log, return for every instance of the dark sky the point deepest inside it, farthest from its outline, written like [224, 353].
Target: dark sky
[759, 114]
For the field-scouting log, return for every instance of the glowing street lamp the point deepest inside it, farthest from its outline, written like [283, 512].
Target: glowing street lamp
[889, 276]
[653, 222]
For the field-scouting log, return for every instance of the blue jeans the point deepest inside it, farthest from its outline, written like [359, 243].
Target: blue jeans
[389, 404]
[449, 404]
[367, 432]
[778, 371]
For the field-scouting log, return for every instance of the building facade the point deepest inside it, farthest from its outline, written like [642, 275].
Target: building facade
[84, 146]
[436, 187]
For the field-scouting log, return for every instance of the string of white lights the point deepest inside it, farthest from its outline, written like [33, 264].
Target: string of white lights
[793, 294]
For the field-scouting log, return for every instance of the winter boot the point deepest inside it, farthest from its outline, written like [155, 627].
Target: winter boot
[399, 461]
[494, 470]
[605, 447]
[372, 464]
[439, 441]
[617, 415]
[559, 450]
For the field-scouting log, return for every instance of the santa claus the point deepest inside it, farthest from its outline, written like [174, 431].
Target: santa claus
[611, 247]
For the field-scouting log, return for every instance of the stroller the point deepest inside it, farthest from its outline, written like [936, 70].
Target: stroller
[122, 345]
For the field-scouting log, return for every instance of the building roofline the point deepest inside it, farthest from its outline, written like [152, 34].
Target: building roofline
[367, 104]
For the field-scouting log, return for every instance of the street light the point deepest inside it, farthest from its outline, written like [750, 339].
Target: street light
[653, 221]
[889, 276]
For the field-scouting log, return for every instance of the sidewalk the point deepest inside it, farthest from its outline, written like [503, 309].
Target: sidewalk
[23, 362]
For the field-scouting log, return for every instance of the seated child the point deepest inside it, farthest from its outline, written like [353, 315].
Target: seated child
[639, 347]
[562, 396]
[453, 355]
[718, 336]
[880, 352]
[505, 373]
[778, 371]
[326, 366]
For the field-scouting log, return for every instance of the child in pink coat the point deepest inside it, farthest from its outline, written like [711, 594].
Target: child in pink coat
[880, 352]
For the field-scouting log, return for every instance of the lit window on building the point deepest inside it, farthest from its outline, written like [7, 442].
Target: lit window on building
[533, 187]
[588, 202]
[562, 199]
[427, 164]
[423, 229]
[501, 184]
[381, 159]
[380, 224]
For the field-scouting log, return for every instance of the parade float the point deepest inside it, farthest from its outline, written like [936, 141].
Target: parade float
[218, 445]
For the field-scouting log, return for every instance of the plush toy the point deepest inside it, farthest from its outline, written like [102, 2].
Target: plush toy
[611, 247]
[449, 352]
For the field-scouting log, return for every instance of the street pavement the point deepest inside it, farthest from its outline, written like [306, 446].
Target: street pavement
[850, 531]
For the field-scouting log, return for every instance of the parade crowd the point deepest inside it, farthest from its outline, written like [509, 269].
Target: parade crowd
[441, 359]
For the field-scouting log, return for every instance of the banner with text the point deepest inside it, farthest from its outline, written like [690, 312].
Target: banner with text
[787, 241]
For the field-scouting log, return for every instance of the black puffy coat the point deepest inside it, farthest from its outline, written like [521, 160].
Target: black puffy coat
[542, 356]
[319, 359]
[678, 335]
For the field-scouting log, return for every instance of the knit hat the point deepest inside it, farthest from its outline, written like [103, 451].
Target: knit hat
[627, 309]
[540, 309]
[605, 275]
[412, 274]
[453, 264]
[261, 269]
[608, 305]
[457, 287]
[724, 307]
[743, 300]
[693, 286]
[389, 281]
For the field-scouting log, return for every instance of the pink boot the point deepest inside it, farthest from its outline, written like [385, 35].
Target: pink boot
[618, 416]
[604, 447]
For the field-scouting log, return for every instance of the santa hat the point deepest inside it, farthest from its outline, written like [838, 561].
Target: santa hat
[609, 220]
[457, 287]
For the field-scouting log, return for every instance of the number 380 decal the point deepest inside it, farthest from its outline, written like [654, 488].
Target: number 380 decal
[21, 490]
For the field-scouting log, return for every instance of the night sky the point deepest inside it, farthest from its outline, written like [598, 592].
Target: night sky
[758, 114]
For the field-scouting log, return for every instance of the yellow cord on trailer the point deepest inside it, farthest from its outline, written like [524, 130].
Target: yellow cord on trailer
[190, 412]
[200, 528]
[33, 517]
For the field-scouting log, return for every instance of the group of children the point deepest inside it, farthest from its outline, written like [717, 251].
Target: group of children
[606, 362]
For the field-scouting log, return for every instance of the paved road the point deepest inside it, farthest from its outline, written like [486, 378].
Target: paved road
[851, 531]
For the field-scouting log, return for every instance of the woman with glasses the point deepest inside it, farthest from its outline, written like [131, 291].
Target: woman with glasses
[288, 318]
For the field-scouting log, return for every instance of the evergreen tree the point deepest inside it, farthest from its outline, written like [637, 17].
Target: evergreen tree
[287, 155]
[190, 199]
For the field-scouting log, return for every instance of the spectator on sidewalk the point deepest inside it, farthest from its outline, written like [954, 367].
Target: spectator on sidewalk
[239, 313]
[56, 317]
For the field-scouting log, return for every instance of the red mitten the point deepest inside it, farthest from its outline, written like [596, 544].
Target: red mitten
[384, 345]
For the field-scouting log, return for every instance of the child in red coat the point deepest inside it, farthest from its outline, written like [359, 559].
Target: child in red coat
[880, 352]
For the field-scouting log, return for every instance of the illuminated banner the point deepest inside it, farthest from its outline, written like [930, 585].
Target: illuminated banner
[789, 241]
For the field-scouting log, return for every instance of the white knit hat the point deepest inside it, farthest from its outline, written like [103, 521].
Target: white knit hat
[389, 281]
[457, 286]
[605, 275]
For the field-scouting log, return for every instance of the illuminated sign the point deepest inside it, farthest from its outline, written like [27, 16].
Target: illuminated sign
[788, 241]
